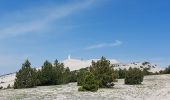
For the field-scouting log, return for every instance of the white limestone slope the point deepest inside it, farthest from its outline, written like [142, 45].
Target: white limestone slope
[76, 64]
[6, 80]
[154, 87]
[152, 67]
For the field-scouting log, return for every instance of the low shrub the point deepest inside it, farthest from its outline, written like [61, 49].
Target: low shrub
[90, 83]
[134, 76]
[9, 86]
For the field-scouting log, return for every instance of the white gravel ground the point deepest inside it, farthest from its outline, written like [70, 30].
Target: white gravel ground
[156, 87]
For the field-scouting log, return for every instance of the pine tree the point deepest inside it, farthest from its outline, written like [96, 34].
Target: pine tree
[90, 83]
[104, 72]
[39, 77]
[25, 77]
[47, 75]
[73, 76]
[66, 76]
[134, 76]
[58, 70]
[81, 76]
[122, 73]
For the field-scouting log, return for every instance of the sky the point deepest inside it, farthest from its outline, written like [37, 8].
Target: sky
[125, 30]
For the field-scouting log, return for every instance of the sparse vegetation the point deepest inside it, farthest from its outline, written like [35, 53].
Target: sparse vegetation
[134, 76]
[166, 71]
[153, 83]
[100, 74]
[90, 83]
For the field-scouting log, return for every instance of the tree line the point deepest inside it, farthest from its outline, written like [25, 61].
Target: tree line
[101, 74]
[165, 71]
[49, 74]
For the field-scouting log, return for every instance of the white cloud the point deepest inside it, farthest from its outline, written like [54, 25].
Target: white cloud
[37, 19]
[104, 45]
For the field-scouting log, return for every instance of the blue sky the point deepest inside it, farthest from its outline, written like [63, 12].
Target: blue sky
[126, 30]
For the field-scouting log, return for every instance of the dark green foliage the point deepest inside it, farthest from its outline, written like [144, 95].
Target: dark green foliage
[1, 87]
[81, 76]
[49, 74]
[66, 76]
[53, 75]
[90, 83]
[25, 77]
[134, 76]
[58, 71]
[47, 77]
[122, 73]
[166, 71]
[39, 77]
[104, 72]
[73, 76]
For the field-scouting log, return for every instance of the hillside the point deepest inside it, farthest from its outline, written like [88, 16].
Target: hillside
[152, 67]
[154, 87]
[75, 64]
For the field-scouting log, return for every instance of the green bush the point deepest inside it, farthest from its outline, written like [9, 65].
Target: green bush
[81, 76]
[134, 76]
[81, 89]
[104, 72]
[73, 76]
[90, 83]
[122, 73]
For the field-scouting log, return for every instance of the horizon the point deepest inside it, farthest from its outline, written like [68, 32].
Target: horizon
[127, 31]
[81, 59]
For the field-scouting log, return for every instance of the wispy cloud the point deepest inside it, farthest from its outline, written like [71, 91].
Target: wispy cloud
[104, 45]
[36, 19]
